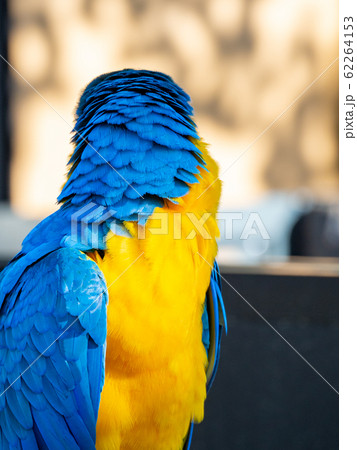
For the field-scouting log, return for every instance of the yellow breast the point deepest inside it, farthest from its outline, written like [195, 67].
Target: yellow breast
[155, 361]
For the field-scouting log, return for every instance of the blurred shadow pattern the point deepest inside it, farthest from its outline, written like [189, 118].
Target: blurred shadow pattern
[242, 62]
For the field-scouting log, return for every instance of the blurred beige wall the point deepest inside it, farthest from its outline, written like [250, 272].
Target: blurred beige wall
[242, 62]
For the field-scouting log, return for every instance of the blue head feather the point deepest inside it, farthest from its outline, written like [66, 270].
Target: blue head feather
[133, 144]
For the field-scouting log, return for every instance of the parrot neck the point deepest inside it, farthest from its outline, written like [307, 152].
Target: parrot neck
[204, 195]
[87, 226]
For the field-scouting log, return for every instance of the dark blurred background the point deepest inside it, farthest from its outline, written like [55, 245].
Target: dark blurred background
[265, 397]
[264, 85]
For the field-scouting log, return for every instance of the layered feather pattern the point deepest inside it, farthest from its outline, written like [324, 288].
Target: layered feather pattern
[52, 337]
[139, 122]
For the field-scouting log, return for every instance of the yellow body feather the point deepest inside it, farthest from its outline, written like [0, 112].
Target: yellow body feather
[155, 381]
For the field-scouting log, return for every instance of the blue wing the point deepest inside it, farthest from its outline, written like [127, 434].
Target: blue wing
[217, 320]
[52, 350]
[213, 320]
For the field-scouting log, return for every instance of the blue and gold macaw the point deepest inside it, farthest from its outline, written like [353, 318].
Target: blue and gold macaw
[111, 314]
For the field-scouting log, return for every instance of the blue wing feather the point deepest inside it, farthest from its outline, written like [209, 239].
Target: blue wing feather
[55, 399]
[213, 322]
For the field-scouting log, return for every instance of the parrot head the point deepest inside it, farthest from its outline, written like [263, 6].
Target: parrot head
[134, 145]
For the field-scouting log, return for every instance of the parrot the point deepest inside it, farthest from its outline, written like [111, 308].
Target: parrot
[111, 315]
